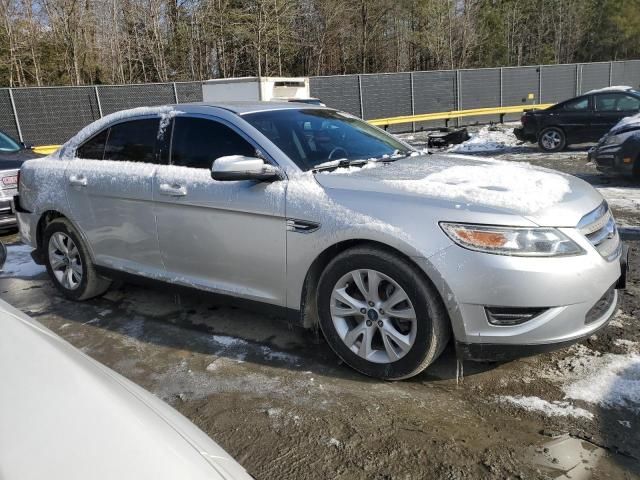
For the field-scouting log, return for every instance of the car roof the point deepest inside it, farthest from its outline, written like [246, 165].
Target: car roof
[250, 106]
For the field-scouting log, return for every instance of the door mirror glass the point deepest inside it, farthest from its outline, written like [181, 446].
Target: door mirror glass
[239, 167]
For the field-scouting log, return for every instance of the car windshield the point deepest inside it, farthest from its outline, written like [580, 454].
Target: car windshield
[312, 137]
[7, 144]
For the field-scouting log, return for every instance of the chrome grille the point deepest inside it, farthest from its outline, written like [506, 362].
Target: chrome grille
[600, 229]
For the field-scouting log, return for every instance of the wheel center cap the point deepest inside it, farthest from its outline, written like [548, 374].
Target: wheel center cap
[372, 315]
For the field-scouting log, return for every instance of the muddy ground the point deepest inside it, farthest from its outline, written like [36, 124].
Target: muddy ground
[278, 400]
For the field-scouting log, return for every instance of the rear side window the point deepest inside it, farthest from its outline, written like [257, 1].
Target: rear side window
[616, 102]
[197, 142]
[577, 105]
[133, 141]
[94, 148]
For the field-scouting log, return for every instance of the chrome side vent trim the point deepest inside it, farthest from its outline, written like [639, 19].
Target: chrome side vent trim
[600, 229]
[510, 316]
[301, 226]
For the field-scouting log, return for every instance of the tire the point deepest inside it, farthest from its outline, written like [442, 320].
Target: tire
[73, 274]
[422, 338]
[552, 139]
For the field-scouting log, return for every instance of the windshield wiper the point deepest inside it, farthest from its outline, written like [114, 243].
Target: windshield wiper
[345, 163]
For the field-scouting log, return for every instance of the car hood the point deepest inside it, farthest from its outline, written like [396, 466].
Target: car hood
[64, 415]
[462, 182]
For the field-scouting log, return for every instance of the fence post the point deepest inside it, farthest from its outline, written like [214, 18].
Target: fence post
[360, 93]
[15, 115]
[611, 74]
[539, 83]
[501, 75]
[95, 89]
[175, 92]
[458, 96]
[413, 104]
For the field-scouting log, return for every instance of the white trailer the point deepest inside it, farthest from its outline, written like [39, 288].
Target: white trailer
[287, 89]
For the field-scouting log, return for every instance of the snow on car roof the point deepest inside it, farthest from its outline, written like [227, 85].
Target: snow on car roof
[615, 88]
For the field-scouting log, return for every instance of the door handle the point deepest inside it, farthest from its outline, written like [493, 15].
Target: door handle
[174, 190]
[78, 180]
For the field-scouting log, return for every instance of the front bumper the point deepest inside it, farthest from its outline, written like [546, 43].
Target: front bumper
[612, 159]
[566, 289]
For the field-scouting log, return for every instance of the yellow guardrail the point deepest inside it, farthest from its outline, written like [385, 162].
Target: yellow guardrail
[46, 149]
[423, 117]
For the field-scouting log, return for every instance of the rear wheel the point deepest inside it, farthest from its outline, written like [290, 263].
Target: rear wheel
[552, 139]
[69, 264]
[380, 315]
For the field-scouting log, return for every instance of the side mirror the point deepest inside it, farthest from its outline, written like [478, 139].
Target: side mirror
[239, 167]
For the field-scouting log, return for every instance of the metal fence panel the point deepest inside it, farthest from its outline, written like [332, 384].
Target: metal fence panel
[626, 73]
[120, 97]
[189, 92]
[387, 95]
[340, 91]
[434, 92]
[517, 84]
[53, 115]
[478, 89]
[593, 76]
[558, 83]
[7, 120]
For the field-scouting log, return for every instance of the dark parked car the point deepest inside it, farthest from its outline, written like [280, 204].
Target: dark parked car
[12, 155]
[582, 119]
[618, 152]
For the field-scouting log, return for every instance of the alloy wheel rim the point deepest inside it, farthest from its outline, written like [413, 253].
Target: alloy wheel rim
[551, 139]
[65, 261]
[373, 316]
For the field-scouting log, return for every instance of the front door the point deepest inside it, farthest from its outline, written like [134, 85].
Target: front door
[109, 186]
[227, 237]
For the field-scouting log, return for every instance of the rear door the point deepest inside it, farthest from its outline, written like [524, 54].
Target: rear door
[227, 237]
[110, 192]
[611, 107]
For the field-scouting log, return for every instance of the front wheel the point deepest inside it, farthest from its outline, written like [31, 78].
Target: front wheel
[380, 315]
[552, 139]
[69, 264]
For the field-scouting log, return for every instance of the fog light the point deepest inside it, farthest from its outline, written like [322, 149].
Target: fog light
[509, 316]
[627, 160]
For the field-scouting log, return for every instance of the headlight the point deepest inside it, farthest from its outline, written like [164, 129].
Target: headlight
[518, 241]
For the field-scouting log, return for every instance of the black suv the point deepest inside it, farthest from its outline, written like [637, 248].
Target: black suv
[581, 119]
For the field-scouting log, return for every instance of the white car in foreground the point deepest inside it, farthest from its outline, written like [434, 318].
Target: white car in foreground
[64, 416]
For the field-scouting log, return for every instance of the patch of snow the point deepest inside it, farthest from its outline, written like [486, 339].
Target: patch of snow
[500, 185]
[334, 442]
[487, 139]
[614, 88]
[626, 344]
[555, 408]
[19, 263]
[229, 342]
[609, 380]
[269, 354]
[625, 423]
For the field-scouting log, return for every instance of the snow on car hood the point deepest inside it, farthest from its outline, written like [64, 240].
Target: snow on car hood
[543, 196]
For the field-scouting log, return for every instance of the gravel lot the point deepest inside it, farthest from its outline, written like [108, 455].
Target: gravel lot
[277, 399]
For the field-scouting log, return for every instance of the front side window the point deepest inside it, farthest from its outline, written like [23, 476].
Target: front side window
[311, 137]
[617, 102]
[93, 148]
[133, 141]
[197, 142]
[577, 105]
